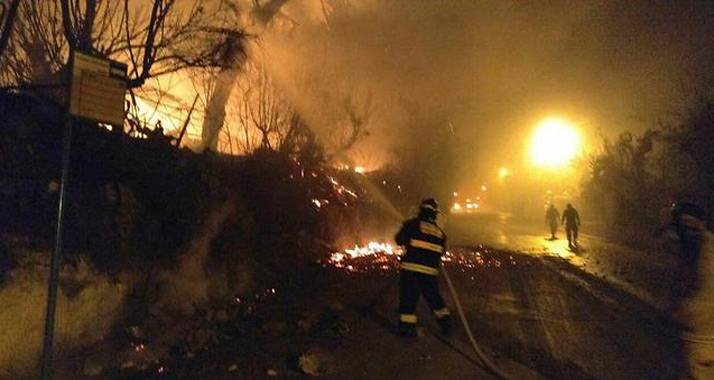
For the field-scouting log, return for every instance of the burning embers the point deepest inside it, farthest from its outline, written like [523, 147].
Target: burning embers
[338, 192]
[376, 256]
[373, 256]
[340, 189]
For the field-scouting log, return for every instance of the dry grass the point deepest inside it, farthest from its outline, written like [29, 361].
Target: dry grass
[82, 318]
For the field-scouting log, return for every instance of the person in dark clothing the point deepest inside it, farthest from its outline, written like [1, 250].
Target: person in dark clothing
[551, 219]
[571, 219]
[695, 290]
[425, 243]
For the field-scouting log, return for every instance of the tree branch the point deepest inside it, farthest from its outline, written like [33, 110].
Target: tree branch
[7, 30]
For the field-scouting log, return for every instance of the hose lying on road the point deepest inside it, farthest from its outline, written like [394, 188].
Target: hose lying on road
[489, 365]
[367, 184]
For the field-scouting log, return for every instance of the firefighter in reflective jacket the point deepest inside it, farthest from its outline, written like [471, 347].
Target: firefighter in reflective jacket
[425, 242]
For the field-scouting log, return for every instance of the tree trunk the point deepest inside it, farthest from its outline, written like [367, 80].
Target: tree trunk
[235, 58]
[216, 106]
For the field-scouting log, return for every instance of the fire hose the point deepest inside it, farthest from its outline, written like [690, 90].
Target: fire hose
[477, 349]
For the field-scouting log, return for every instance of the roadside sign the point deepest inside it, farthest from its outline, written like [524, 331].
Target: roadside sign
[98, 89]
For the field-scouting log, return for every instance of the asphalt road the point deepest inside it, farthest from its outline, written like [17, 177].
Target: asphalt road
[599, 311]
[540, 310]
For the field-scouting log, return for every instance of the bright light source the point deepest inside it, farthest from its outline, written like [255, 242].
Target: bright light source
[456, 194]
[456, 208]
[359, 169]
[469, 205]
[555, 143]
[503, 173]
[483, 188]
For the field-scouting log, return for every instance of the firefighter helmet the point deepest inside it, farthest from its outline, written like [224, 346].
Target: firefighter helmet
[687, 208]
[429, 204]
[687, 215]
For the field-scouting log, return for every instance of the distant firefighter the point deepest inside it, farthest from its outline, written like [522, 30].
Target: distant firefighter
[551, 218]
[425, 243]
[695, 312]
[571, 219]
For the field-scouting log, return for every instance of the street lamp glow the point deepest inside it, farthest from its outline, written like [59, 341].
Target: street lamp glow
[555, 143]
[503, 173]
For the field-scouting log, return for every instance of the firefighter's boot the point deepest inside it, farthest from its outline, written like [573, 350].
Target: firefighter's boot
[446, 325]
[407, 330]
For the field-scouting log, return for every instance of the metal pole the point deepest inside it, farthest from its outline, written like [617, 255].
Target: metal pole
[46, 370]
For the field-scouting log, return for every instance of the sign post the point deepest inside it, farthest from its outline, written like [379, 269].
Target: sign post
[98, 89]
[95, 90]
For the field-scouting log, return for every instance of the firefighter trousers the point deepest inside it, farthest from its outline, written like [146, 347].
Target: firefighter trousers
[412, 285]
[571, 231]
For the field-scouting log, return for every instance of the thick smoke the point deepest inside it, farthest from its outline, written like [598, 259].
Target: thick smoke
[491, 68]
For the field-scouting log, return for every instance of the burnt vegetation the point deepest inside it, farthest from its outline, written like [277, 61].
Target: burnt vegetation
[181, 234]
[140, 208]
[131, 197]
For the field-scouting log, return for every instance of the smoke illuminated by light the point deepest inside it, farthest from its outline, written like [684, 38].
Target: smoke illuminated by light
[555, 143]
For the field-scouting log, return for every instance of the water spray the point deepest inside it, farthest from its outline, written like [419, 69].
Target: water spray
[367, 185]
[394, 212]
[382, 199]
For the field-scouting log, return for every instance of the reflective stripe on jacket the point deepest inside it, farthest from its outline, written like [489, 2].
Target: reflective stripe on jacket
[425, 243]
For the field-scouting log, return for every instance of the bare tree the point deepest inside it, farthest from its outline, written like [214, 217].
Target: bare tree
[154, 41]
[268, 121]
[214, 119]
[358, 115]
[35, 51]
[263, 110]
[8, 15]
[348, 109]
[233, 59]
